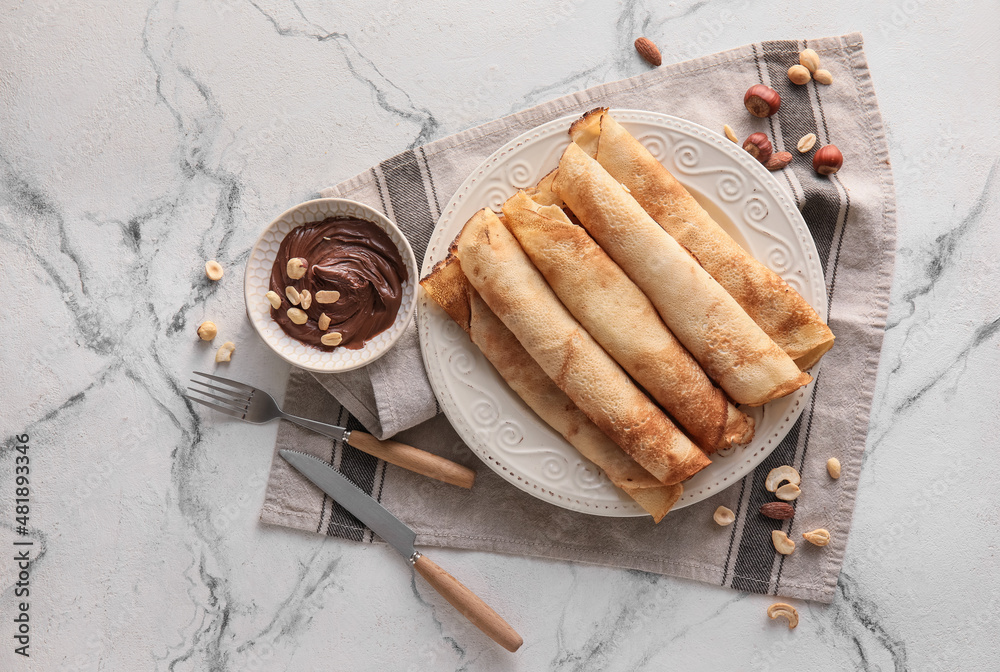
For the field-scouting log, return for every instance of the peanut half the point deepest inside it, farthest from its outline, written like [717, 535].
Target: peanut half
[833, 468]
[333, 338]
[806, 142]
[818, 537]
[293, 295]
[730, 133]
[305, 298]
[296, 268]
[273, 299]
[297, 316]
[327, 296]
[323, 322]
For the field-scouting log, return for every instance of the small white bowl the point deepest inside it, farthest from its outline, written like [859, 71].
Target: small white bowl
[257, 281]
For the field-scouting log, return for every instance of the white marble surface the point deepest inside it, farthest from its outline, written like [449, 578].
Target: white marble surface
[140, 139]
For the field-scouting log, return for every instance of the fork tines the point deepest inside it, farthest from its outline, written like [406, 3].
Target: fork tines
[234, 399]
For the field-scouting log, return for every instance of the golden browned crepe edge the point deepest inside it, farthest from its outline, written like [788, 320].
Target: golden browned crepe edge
[504, 276]
[448, 286]
[794, 325]
[690, 398]
[754, 373]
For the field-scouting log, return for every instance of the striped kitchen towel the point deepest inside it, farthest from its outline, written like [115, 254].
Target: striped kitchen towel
[852, 219]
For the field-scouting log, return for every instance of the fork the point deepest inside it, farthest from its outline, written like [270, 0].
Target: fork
[253, 405]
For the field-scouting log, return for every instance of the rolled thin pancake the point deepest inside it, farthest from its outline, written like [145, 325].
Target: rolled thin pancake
[620, 317]
[733, 350]
[779, 310]
[448, 286]
[512, 287]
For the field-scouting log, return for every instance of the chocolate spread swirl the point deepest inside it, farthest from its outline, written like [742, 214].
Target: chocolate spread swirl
[350, 256]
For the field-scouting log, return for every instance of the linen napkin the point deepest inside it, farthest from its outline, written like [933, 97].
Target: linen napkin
[852, 218]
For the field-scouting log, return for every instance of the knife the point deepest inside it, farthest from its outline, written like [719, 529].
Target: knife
[399, 536]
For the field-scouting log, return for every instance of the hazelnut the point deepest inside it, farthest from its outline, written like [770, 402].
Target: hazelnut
[207, 331]
[730, 133]
[758, 146]
[778, 160]
[809, 59]
[761, 101]
[823, 77]
[295, 268]
[213, 270]
[827, 160]
[273, 299]
[225, 352]
[297, 316]
[799, 74]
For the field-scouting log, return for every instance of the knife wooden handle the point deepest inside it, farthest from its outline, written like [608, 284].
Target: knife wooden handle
[414, 459]
[468, 604]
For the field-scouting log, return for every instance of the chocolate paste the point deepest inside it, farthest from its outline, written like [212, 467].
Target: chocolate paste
[350, 256]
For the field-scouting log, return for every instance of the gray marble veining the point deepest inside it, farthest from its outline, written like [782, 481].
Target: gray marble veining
[140, 141]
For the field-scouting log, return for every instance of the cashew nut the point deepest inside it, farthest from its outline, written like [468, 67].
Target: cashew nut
[778, 475]
[295, 268]
[213, 270]
[724, 516]
[305, 298]
[789, 492]
[297, 316]
[817, 537]
[785, 611]
[225, 351]
[323, 321]
[333, 338]
[274, 299]
[293, 295]
[833, 468]
[207, 331]
[327, 296]
[782, 544]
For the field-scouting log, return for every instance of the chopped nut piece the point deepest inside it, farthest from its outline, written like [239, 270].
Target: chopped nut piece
[305, 298]
[327, 296]
[785, 611]
[730, 133]
[207, 331]
[789, 492]
[782, 544]
[778, 475]
[724, 516]
[324, 321]
[818, 537]
[806, 142]
[225, 352]
[296, 268]
[297, 316]
[293, 295]
[213, 270]
[274, 299]
[333, 338]
[833, 468]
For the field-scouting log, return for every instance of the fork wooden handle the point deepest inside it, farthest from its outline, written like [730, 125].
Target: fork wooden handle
[414, 459]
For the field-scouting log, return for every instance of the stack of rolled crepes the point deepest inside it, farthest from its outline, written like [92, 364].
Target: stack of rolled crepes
[611, 330]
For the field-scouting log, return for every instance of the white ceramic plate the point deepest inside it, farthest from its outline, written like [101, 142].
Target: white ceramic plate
[257, 280]
[740, 194]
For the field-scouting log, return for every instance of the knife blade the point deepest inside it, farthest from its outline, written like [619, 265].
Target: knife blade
[398, 535]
